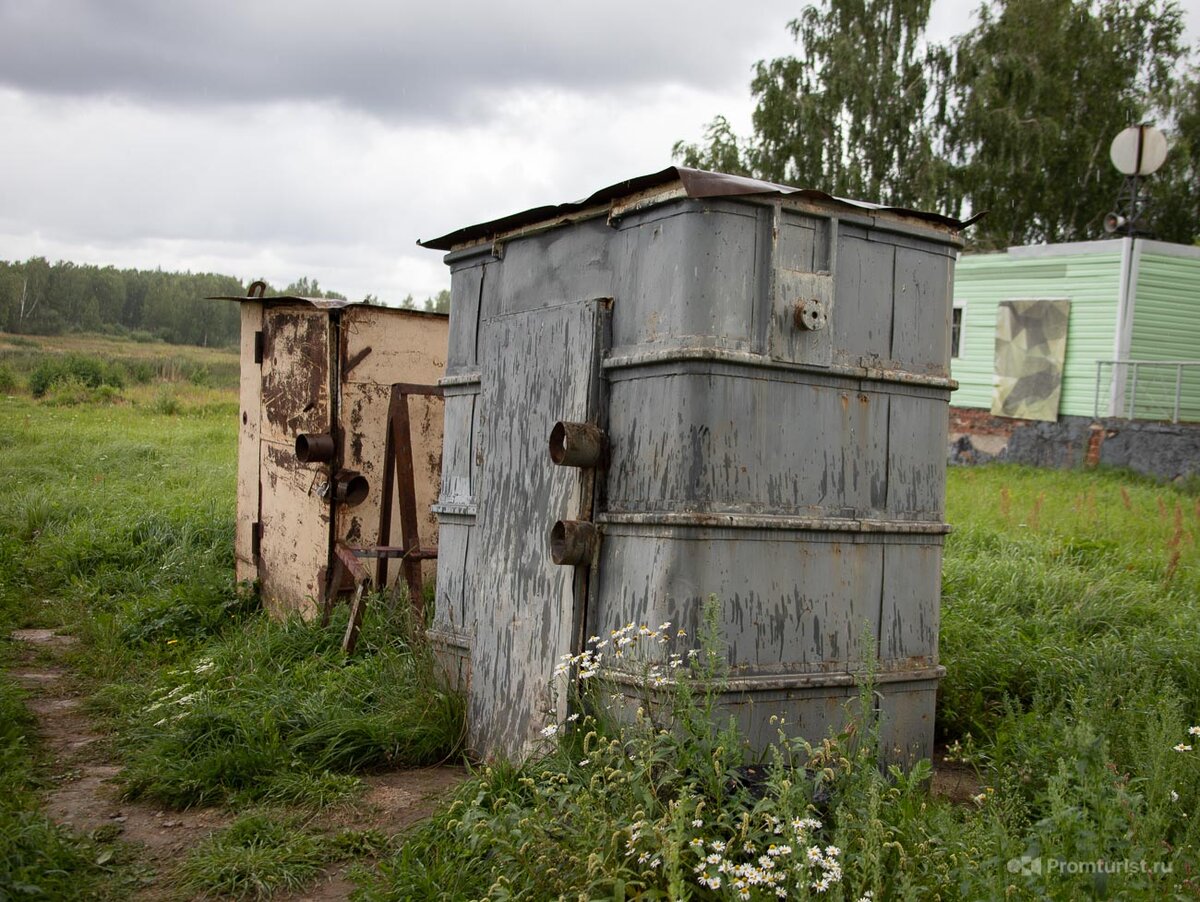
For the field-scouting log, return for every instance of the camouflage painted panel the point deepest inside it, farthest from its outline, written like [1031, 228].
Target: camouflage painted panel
[1031, 343]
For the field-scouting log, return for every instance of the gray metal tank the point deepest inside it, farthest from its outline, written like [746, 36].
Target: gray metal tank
[760, 377]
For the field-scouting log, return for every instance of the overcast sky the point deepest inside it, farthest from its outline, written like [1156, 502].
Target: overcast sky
[280, 138]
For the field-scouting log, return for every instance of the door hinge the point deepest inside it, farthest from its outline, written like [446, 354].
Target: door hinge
[258, 347]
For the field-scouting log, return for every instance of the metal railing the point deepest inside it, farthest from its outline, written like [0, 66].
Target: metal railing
[1149, 389]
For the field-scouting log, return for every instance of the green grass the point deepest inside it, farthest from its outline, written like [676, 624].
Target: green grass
[254, 858]
[262, 854]
[116, 525]
[277, 712]
[1070, 619]
[1060, 584]
[1069, 632]
[129, 361]
[37, 858]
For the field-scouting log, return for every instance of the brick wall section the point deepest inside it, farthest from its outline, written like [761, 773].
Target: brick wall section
[976, 421]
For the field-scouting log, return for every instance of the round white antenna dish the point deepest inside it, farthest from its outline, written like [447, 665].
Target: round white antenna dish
[1139, 150]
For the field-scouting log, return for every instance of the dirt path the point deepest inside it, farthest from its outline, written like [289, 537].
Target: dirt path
[86, 797]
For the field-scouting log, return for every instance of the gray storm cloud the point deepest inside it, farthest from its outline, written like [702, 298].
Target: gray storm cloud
[410, 60]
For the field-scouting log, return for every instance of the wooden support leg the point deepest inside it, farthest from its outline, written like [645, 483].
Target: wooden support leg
[358, 607]
[348, 563]
[333, 589]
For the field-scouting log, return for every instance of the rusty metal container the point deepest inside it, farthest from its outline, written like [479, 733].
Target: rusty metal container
[315, 390]
[693, 384]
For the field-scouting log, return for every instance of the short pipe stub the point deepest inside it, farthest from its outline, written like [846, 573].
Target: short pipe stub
[314, 448]
[350, 488]
[810, 315]
[577, 444]
[573, 542]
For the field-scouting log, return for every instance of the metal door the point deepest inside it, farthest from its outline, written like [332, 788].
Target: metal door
[294, 512]
[542, 366]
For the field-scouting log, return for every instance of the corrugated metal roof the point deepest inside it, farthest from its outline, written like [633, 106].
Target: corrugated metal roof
[697, 183]
[319, 303]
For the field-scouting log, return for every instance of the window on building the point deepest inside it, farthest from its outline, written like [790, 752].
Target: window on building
[956, 322]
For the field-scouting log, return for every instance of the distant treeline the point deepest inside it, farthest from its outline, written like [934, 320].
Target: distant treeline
[42, 298]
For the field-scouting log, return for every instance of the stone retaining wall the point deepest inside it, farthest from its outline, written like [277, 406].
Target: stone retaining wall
[1162, 450]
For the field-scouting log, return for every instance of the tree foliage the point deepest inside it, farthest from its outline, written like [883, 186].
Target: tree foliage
[1014, 117]
[41, 298]
[842, 110]
[1040, 88]
[304, 287]
[1175, 189]
[438, 303]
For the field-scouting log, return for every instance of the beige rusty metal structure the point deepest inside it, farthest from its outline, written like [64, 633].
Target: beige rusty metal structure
[316, 386]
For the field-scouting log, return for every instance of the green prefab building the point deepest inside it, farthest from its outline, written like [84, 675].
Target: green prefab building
[1092, 329]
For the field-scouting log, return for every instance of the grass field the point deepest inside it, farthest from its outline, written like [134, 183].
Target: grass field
[1070, 634]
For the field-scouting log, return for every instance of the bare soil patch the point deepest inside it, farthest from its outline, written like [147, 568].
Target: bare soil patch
[86, 797]
[954, 781]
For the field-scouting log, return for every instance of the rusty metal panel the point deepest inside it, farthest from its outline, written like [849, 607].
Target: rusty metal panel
[537, 369]
[712, 437]
[381, 346]
[917, 439]
[250, 410]
[679, 280]
[363, 429]
[922, 310]
[326, 373]
[790, 463]
[294, 547]
[295, 373]
[861, 330]
[801, 288]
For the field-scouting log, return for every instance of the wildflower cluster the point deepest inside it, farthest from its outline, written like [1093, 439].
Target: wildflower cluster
[984, 796]
[777, 867]
[644, 857]
[622, 643]
[619, 641]
[1184, 746]
[179, 700]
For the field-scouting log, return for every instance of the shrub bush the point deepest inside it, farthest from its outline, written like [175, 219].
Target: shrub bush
[91, 372]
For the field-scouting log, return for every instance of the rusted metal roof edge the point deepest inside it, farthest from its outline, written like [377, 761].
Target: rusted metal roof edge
[320, 303]
[696, 183]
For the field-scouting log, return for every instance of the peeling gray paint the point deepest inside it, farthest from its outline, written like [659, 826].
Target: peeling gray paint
[796, 474]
